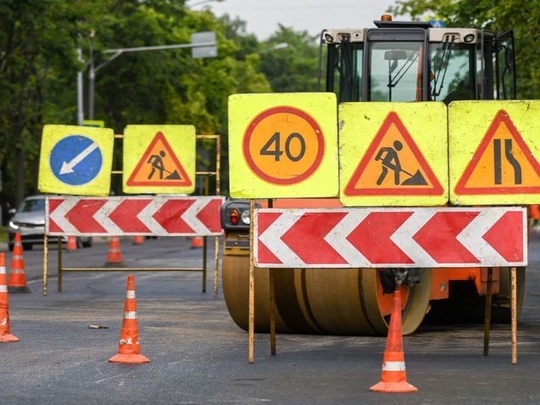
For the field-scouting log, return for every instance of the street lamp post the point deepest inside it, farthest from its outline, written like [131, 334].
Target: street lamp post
[281, 45]
[80, 103]
[203, 2]
[92, 69]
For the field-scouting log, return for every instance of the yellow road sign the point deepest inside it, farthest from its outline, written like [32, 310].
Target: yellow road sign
[94, 123]
[76, 160]
[494, 152]
[159, 159]
[393, 154]
[283, 145]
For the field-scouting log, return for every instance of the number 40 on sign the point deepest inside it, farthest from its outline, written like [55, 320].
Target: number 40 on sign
[282, 145]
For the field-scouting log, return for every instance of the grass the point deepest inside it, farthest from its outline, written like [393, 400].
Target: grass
[3, 234]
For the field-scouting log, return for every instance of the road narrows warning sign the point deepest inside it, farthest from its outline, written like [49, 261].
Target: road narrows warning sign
[502, 164]
[494, 152]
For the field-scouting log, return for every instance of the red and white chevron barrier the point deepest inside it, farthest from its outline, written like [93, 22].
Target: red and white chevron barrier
[390, 237]
[118, 216]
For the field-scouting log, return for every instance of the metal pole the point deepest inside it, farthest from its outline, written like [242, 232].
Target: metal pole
[80, 104]
[251, 307]
[216, 252]
[45, 263]
[513, 312]
[272, 292]
[159, 47]
[59, 264]
[487, 311]
[91, 85]
[92, 70]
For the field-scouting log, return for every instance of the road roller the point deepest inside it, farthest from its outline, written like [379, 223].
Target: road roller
[395, 61]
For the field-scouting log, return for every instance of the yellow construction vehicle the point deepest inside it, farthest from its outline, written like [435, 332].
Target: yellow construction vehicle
[395, 61]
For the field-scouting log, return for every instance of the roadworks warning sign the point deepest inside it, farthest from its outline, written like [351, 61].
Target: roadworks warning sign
[159, 159]
[393, 154]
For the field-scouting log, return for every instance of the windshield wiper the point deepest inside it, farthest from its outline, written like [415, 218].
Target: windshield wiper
[448, 45]
[351, 87]
[392, 82]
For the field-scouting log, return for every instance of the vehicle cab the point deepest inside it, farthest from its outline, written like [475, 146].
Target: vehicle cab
[412, 61]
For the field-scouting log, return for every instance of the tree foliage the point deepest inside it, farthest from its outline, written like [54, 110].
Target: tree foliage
[289, 61]
[39, 65]
[35, 46]
[523, 17]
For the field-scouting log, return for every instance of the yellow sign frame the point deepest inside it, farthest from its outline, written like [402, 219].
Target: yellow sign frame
[393, 154]
[283, 145]
[494, 152]
[75, 147]
[170, 170]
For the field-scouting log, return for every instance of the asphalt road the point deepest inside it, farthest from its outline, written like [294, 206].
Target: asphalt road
[199, 356]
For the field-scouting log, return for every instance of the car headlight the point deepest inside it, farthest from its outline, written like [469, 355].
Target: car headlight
[13, 225]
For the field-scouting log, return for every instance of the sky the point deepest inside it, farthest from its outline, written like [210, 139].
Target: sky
[263, 17]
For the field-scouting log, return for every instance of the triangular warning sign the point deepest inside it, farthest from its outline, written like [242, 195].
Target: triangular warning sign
[393, 165]
[502, 164]
[159, 166]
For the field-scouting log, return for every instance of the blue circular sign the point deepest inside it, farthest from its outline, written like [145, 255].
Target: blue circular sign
[76, 160]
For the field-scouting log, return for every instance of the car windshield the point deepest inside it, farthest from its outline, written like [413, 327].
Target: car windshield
[33, 205]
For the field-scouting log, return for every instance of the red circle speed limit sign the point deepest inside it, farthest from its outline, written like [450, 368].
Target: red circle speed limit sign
[283, 145]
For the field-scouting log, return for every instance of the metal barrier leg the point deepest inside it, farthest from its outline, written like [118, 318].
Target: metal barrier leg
[59, 264]
[45, 263]
[204, 263]
[487, 313]
[513, 309]
[216, 265]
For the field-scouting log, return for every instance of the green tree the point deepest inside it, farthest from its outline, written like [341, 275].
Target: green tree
[37, 40]
[168, 86]
[289, 61]
[38, 66]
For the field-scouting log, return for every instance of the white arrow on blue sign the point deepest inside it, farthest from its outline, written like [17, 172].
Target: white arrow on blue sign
[76, 160]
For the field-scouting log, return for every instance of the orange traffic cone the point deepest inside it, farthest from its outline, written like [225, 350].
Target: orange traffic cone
[114, 257]
[5, 330]
[129, 350]
[138, 240]
[197, 242]
[394, 378]
[71, 244]
[17, 275]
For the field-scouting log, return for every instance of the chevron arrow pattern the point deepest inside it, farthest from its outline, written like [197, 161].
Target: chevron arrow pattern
[119, 216]
[390, 237]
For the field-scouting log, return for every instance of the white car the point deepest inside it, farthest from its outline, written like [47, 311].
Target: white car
[29, 220]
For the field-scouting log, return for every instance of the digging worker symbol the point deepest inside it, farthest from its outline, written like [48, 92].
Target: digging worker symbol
[156, 161]
[390, 161]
